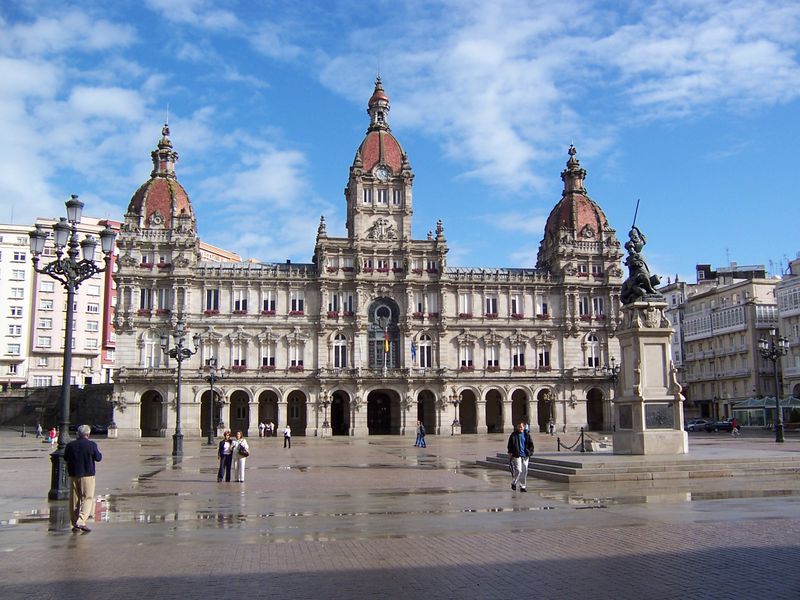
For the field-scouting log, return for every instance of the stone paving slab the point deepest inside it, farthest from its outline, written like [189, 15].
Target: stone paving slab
[378, 518]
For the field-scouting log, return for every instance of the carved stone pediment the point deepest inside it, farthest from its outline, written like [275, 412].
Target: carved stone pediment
[381, 229]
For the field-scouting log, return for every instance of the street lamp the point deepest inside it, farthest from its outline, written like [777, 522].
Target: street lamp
[212, 378]
[772, 349]
[325, 401]
[455, 400]
[612, 372]
[71, 272]
[180, 353]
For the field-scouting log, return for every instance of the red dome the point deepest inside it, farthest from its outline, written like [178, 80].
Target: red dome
[381, 146]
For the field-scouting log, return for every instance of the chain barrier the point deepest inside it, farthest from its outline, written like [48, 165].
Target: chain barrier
[578, 442]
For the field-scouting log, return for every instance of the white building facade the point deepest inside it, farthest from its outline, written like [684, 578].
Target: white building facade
[378, 330]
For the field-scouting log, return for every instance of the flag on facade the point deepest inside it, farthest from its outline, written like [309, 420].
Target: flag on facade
[386, 340]
[413, 351]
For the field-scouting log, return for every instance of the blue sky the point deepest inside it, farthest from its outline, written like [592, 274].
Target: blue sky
[690, 106]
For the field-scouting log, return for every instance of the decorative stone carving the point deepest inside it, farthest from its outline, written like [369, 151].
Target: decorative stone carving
[381, 229]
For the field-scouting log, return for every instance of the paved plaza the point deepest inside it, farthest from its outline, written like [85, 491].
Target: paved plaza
[379, 518]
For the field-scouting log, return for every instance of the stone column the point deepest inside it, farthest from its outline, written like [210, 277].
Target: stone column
[480, 409]
[358, 418]
[648, 413]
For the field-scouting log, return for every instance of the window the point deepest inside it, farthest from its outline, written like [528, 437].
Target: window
[397, 197]
[19, 257]
[46, 323]
[12, 369]
[333, 303]
[583, 306]
[42, 361]
[268, 301]
[15, 330]
[542, 308]
[592, 351]
[340, 351]
[296, 355]
[419, 303]
[42, 380]
[465, 303]
[145, 299]
[432, 266]
[240, 353]
[516, 305]
[466, 356]
[544, 358]
[383, 196]
[45, 304]
[583, 270]
[17, 293]
[240, 300]
[18, 274]
[16, 311]
[597, 269]
[94, 290]
[518, 355]
[90, 344]
[47, 286]
[425, 351]
[44, 341]
[367, 196]
[164, 298]
[268, 356]
[212, 300]
[598, 306]
[13, 349]
[297, 301]
[492, 359]
[347, 303]
[491, 305]
[433, 303]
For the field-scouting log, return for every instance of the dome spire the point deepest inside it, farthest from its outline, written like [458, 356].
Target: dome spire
[378, 108]
[573, 175]
[164, 157]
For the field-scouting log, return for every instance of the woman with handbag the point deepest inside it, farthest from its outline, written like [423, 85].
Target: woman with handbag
[225, 455]
[241, 450]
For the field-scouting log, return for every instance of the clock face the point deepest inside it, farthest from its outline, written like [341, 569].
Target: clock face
[382, 173]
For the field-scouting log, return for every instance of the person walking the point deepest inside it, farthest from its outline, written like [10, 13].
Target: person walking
[420, 435]
[52, 435]
[287, 437]
[240, 451]
[551, 427]
[38, 430]
[81, 455]
[735, 428]
[261, 428]
[520, 449]
[225, 454]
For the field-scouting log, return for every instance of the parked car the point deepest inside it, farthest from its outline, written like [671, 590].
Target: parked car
[723, 425]
[696, 424]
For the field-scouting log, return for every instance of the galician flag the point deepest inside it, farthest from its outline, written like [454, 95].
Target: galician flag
[413, 351]
[386, 340]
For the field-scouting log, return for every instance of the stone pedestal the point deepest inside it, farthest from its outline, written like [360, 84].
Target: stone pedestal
[324, 431]
[455, 429]
[648, 411]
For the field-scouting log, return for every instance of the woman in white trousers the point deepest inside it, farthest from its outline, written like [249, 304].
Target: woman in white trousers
[241, 450]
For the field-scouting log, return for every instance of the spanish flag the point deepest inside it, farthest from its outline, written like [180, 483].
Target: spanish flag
[386, 341]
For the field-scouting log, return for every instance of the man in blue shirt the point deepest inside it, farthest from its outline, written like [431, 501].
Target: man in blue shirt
[520, 449]
[80, 455]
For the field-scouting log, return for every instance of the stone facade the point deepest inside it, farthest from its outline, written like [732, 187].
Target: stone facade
[378, 330]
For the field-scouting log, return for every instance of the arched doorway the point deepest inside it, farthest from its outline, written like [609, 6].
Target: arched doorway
[216, 417]
[519, 409]
[383, 413]
[468, 412]
[545, 410]
[426, 411]
[494, 412]
[340, 413]
[240, 412]
[296, 407]
[268, 409]
[151, 416]
[594, 410]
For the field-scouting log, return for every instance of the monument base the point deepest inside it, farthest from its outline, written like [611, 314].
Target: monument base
[651, 442]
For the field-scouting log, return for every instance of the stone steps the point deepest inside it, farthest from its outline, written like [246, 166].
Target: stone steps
[622, 468]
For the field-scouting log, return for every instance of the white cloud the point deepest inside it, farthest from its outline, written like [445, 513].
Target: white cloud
[113, 102]
[197, 13]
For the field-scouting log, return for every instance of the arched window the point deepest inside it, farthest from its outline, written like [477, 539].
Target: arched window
[592, 351]
[340, 351]
[425, 351]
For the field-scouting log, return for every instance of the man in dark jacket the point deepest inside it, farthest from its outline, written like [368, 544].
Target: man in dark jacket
[520, 449]
[80, 455]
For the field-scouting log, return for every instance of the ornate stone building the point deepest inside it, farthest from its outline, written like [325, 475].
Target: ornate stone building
[378, 330]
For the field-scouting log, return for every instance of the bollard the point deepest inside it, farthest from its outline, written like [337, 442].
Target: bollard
[23, 430]
[583, 447]
[558, 440]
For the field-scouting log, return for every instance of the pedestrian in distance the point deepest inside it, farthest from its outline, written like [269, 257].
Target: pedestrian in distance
[261, 428]
[270, 429]
[287, 437]
[81, 455]
[52, 435]
[520, 449]
[225, 454]
[38, 430]
[420, 435]
[551, 427]
[735, 432]
[240, 451]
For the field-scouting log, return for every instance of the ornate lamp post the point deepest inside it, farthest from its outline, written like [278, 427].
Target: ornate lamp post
[455, 400]
[71, 272]
[326, 402]
[772, 349]
[612, 372]
[180, 353]
[213, 377]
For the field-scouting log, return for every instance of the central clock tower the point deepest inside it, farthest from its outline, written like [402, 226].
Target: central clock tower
[378, 192]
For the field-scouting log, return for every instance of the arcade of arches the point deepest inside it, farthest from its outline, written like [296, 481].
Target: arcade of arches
[380, 411]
